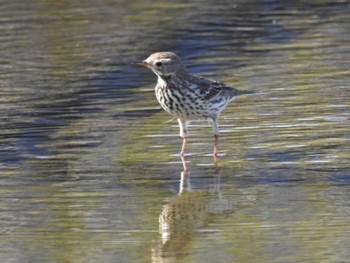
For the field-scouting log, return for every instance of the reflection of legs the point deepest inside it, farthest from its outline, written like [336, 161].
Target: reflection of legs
[214, 124]
[183, 134]
[185, 181]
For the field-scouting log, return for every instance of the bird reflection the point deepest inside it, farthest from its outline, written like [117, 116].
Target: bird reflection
[186, 213]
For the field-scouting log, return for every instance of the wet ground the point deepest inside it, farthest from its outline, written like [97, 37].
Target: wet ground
[90, 168]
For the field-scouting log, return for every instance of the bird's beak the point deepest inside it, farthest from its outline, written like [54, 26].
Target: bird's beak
[143, 64]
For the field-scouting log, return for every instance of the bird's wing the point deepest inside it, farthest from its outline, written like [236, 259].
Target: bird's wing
[211, 89]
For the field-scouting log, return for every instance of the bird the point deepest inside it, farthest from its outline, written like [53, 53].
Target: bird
[189, 97]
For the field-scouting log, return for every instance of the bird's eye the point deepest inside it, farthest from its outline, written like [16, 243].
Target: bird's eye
[158, 64]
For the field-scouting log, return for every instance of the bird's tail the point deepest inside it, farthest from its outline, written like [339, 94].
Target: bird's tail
[246, 92]
[238, 92]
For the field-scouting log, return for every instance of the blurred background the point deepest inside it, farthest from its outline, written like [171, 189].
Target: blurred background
[90, 170]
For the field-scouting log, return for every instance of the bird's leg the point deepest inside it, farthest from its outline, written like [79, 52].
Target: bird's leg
[216, 139]
[184, 142]
[214, 123]
[184, 164]
[183, 134]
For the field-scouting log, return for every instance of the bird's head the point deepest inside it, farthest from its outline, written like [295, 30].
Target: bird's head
[164, 64]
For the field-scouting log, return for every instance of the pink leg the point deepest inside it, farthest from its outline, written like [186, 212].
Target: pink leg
[216, 138]
[184, 142]
[184, 164]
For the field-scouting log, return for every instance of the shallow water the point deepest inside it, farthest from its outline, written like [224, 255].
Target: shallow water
[90, 170]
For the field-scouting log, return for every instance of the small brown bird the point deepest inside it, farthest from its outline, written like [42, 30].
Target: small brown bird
[188, 97]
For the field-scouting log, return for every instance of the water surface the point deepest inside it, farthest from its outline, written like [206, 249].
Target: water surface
[90, 170]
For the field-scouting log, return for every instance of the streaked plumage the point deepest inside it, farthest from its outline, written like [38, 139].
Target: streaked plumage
[188, 97]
